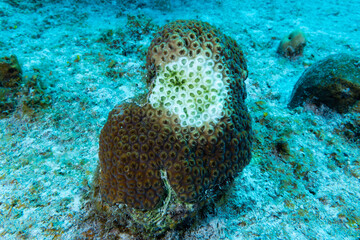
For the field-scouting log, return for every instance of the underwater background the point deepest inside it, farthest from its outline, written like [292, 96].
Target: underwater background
[79, 59]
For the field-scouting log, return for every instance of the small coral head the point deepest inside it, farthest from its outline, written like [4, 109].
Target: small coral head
[292, 46]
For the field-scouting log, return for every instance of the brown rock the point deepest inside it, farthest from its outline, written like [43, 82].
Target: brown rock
[333, 81]
[10, 72]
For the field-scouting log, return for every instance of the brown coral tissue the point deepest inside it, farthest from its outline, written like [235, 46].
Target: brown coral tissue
[193, 135]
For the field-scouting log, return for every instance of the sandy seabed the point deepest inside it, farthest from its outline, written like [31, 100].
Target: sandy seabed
[91, 57]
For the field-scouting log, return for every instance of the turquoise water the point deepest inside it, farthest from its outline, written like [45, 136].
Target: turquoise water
[90, 56]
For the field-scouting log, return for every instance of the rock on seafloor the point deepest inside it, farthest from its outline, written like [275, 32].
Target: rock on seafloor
[333, 81]
[10, 80]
